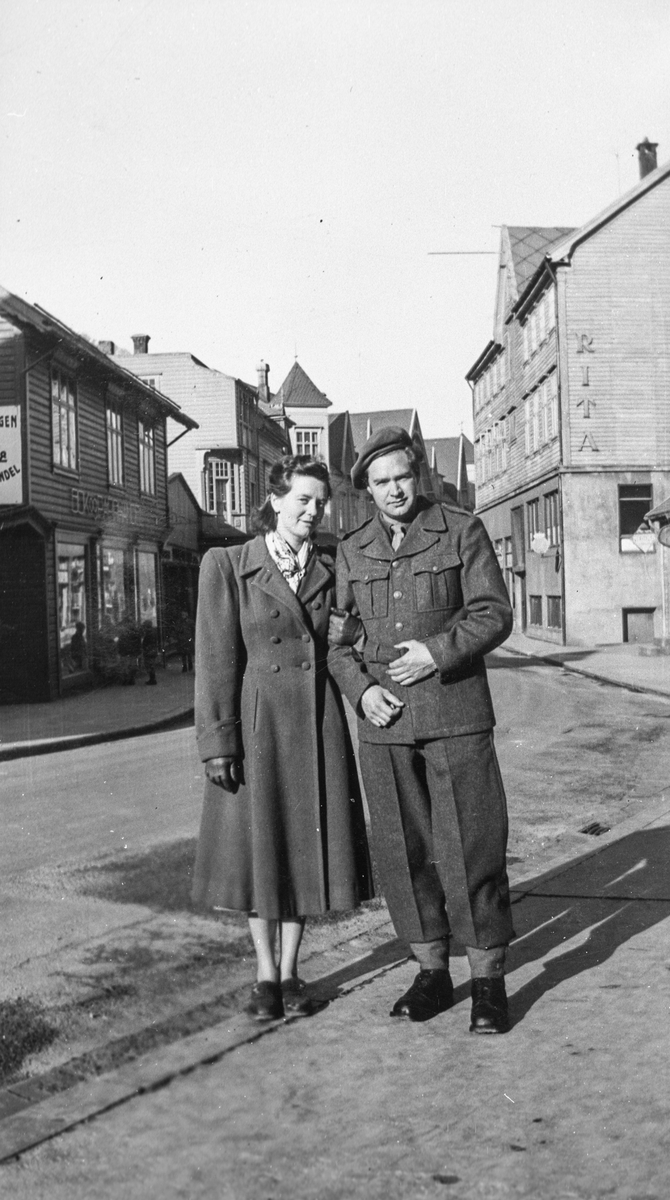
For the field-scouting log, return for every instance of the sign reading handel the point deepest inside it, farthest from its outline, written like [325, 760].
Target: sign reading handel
[11, 483]
[110, 508]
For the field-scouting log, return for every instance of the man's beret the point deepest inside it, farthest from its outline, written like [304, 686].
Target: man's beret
[384, 441]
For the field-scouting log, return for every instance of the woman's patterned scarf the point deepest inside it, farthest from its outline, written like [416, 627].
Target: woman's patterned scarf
[291, 565]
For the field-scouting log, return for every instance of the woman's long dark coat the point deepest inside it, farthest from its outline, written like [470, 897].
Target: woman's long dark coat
[291, 841]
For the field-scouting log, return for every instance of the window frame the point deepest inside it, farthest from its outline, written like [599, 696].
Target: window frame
[58, 374]
[300, 435]
[146, 444]
[115, 444]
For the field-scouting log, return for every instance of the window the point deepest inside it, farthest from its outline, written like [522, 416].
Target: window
[552, 384]
[63, 420]
[533, 520]
[554, 612]
[307, 441]
[634, 534]
[145, 435]
[152, 381]
[72, 609]
[253, 484]
[533, 331]
[551, 526]
[114, 444]
[526, 343]
[509, 568]
[502, 368]
[535, 610]
[222, 487]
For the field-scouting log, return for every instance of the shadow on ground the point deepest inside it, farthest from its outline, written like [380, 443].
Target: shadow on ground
[159, 879]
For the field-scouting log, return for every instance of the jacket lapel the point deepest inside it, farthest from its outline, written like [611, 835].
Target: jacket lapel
[316, 578]
[256, 560]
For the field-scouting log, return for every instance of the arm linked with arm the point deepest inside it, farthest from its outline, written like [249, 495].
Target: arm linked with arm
[487, 615]
[344, 665]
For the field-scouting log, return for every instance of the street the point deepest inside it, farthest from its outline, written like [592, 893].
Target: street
[95, 861]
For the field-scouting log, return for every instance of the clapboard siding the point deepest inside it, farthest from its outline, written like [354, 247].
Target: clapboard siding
[618, 295]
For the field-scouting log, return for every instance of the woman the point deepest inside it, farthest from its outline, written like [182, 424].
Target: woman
[282, 834]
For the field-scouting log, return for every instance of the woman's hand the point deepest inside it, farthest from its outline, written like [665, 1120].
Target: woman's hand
[226, 773]
[344, 629]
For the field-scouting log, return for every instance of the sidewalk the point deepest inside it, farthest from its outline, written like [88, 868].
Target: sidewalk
[641, 668]
[573, 1102]
[84, 718]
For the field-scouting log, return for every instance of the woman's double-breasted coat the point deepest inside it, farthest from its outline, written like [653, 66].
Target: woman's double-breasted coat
[291, 840]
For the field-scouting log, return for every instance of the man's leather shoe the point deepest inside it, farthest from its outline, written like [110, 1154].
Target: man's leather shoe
[431, 993]
[489, 1006]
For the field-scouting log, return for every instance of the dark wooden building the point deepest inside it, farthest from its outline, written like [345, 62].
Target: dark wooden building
[83, 504]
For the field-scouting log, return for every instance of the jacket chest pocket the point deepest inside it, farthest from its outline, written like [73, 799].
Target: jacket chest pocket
[371, 590]
[437, 583]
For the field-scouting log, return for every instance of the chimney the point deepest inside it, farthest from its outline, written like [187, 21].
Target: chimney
[263, 387]
[107, 347]
[140, 343]
[646, 152]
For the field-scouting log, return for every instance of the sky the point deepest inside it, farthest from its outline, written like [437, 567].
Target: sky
[266, 179]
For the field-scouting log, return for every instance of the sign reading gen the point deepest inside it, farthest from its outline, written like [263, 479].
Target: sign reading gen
[11, 483]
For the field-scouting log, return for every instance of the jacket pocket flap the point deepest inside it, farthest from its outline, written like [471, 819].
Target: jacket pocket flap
[448, 561]
[370, 572]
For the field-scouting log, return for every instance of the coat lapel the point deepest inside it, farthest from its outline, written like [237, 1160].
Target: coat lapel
[257, 561]
[316, 579]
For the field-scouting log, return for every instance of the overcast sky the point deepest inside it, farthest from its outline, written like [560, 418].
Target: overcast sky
[250, 179]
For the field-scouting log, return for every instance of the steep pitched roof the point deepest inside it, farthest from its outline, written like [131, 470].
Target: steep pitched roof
[340, 442]
[298, 391]
[367, 423]
[447, 454]
[529, 245]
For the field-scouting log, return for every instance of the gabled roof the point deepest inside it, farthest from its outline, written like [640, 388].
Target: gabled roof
[363, 425]
[340, 442]
[447, 455]
[33, 316]
[529, 245]
[298, 391]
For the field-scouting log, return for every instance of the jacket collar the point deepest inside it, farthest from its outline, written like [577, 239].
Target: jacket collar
[424, 531]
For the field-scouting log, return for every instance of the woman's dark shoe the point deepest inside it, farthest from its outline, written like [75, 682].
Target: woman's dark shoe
[265, 1002]
[431, 993]
[489, 1006]
[295, 999]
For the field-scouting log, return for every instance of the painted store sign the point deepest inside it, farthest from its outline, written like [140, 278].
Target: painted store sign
[11, 482]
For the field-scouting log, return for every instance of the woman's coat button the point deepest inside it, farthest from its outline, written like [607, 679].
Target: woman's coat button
[316, 604]
[306, 637]
[274, 612]
[276, 640]
[274, 668]
[305, 667]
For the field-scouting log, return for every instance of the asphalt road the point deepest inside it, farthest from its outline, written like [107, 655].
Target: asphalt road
[572, 752]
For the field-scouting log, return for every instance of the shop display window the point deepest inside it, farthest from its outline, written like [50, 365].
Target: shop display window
[147, 601]
[72, 618]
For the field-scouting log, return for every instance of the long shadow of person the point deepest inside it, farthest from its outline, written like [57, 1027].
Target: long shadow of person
[604, 899]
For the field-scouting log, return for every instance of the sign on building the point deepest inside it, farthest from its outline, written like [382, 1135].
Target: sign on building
[11, 483]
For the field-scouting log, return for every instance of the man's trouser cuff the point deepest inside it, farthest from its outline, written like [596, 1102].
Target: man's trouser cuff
[432, 956]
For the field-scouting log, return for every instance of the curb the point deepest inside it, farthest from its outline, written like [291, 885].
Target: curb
[607, 679]
[77, 740]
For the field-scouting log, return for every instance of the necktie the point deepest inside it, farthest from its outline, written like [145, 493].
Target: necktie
[397, 534]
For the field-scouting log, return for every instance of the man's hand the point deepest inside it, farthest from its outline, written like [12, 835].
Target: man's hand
[380, 706]
[226, 773]
[343, 628]
[417, 663]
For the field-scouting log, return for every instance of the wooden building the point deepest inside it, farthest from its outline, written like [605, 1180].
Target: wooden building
[315, 430]
[83, 503]
[240, 431]
[572, 421]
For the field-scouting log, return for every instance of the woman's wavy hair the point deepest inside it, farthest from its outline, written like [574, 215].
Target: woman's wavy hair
[281, 477]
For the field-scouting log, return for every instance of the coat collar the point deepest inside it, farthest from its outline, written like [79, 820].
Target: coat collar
[256, 559]
[424, 531]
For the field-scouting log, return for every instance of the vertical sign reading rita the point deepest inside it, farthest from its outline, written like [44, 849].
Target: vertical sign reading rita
[11, 484]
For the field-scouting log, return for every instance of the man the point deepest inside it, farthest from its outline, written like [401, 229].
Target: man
[424, 581]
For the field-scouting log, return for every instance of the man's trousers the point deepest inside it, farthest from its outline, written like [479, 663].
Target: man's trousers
[439, 837]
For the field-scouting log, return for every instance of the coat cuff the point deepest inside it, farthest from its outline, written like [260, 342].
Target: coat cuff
[221, 741]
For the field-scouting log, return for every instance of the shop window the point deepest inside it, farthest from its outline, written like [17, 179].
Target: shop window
[64, 420]
[146, 587]
[72, 609]
[145, 434]
[535, 610]
[635, 536]
[307, 441]
[554, 612]
[114, 423]
[551, 520]
[115, 585]
[533, 520]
